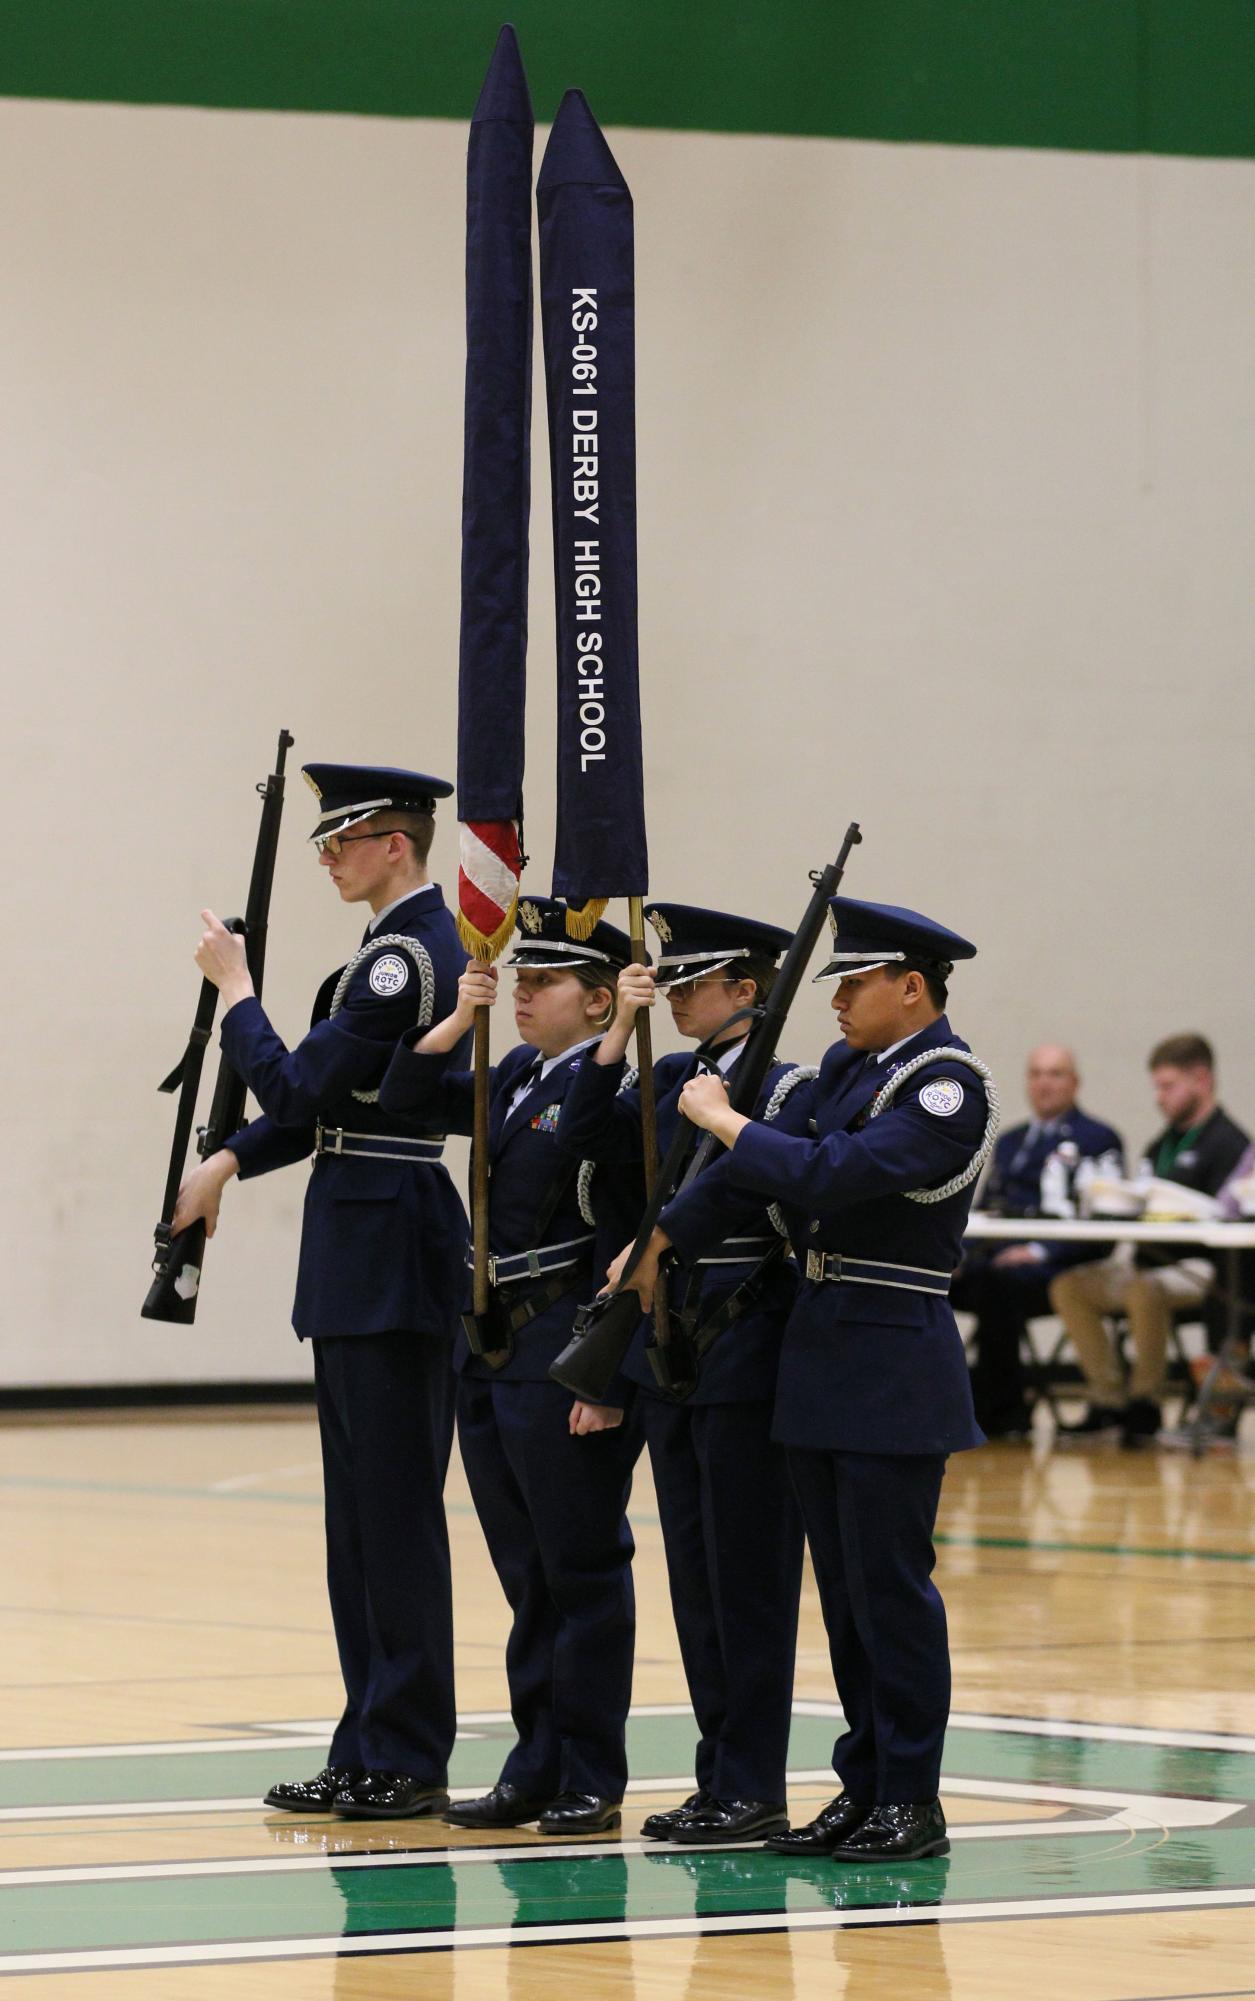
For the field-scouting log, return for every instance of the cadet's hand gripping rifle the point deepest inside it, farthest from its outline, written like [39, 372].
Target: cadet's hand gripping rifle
[604, 1328]
[177, 1260]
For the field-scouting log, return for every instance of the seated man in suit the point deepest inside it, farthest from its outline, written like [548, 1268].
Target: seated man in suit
[1199, 1147]
[1032, 1173]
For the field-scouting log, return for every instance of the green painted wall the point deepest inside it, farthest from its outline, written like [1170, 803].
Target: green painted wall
[1164, 76]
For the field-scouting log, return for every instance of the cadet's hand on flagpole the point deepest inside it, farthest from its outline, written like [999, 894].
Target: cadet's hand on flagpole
[704, 1103]
[221, 958]
[476, 988]
[590, 1417]
[635, 991]
[200, 1192]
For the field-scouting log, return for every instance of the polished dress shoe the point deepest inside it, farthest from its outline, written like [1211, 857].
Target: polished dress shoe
[820, 1836]
[733, 1820]
[1142, 1421]
[658, 1826]
[895, 1834]
[504, 1806]
[389, 1796]
[313, 1795]
[580, 1813]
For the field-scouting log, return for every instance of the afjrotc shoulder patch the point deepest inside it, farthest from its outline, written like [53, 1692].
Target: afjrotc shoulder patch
[942, 1098]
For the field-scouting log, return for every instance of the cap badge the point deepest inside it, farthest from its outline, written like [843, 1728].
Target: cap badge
[660, 925]
[942, 1098]
[530, 918]
[832, 922]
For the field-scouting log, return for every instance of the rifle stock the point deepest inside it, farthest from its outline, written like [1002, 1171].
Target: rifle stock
[604, 1327]
[178, 1260]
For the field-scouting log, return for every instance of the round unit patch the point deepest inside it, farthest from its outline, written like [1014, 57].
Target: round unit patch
[942, 1098]
[389, 974]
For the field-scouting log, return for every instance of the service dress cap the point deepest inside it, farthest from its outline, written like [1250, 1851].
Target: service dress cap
[347, 793]
[868, 936]
[697, 941]
[543, 942]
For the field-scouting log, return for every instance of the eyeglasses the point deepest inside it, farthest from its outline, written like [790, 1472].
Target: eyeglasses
[331, 844]
[684, 987]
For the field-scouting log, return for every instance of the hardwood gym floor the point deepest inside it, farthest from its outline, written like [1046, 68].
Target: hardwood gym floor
[167, 1655]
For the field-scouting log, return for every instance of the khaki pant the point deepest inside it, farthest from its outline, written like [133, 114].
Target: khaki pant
[1083, 1295]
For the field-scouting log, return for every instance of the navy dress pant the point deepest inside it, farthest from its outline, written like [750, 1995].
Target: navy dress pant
[385, 1416]
[733, 1537]
[553, 1512]
[869, 1522]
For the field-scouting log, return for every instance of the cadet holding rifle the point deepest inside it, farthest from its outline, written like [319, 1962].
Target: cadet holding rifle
[874, 1164]
[382, 1247]
[730, 1523]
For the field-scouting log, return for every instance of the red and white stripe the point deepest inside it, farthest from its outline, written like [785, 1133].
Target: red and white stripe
[490, 864]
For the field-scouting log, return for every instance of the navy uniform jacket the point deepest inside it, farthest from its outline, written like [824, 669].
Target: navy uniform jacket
[524, 1161]
[863, 1367]
[599, 1124]
[383, 1241]
[1013, 1186]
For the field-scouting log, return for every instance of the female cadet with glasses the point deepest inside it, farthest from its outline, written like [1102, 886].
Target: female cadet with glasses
[550, 1479]
[731, 1527]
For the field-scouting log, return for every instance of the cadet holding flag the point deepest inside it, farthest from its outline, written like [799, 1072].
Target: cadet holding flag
[874, 1164]
[730, 1523]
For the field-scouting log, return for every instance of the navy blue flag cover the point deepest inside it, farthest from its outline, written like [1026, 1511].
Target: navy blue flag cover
[588, 307]
[496, 498]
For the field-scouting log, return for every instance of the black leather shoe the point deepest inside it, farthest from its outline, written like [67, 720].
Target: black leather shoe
[1142, 1420]
[820, 1836]
[1101, 1420]
[580, 1813]
[389, 1796]
[504, 1806]
[312, 1795]
[733, 1820]
[895, 1834]
[658, 1826]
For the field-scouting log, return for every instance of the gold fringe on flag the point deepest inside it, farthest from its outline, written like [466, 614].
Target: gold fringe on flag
[488, 947]
[582, 918]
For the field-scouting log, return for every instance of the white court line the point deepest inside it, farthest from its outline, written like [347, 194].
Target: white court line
[315, 1731]
[1129, 1810]
[240, 1481]
[425, 1858]
[335, 1945]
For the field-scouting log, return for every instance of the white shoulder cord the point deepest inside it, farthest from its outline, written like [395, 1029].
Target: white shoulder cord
[584, 1179]
[426, 984]
[802, 1073]
[885, 1096]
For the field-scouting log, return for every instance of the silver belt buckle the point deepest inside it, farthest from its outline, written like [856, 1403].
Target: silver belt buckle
[339, 1139]
[814, 1264]
[492, 1268]
[533, 1265]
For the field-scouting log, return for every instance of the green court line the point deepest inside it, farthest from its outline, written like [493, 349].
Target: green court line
[658, 1746]
[581, 1889]
[1164, 76]
[956, 1540]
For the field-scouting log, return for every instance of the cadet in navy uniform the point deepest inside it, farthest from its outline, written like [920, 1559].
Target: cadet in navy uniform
[1032, 1173]
[730, 1524]
[873, 1388]
[550, 1477]
[382, 1247]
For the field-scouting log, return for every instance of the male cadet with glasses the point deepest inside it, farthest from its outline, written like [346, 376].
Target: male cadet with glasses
[873, 1389]
[382, 1247]
[1199, 1147]
[1032, 1173]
